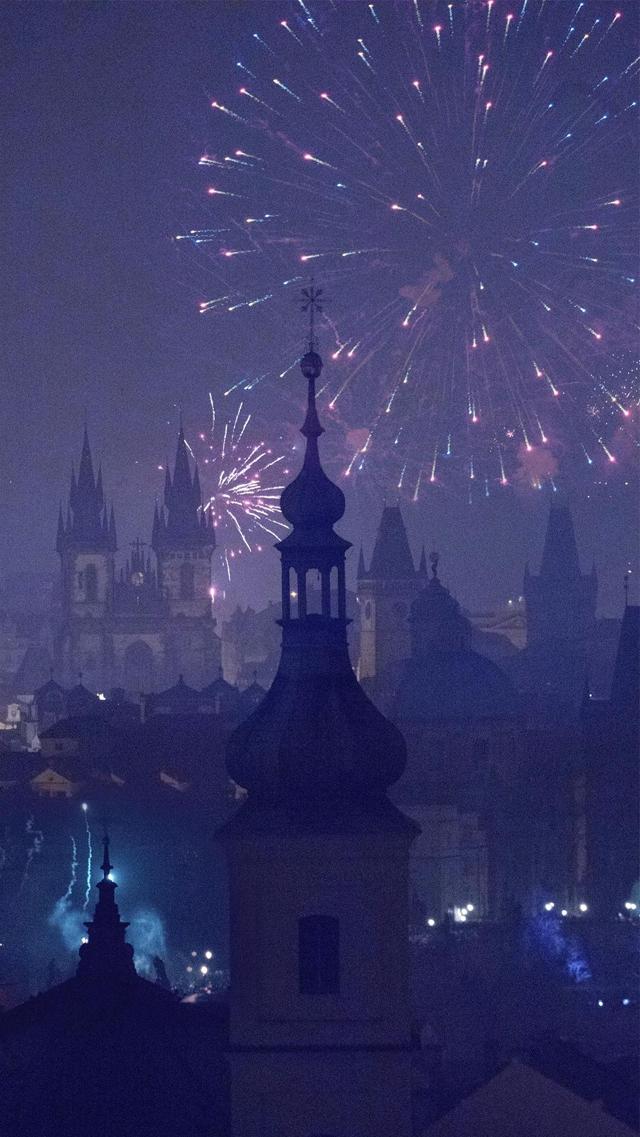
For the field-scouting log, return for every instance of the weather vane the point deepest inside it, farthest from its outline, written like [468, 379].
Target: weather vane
[311, 304]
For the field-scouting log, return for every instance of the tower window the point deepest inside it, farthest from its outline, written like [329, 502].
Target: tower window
[319, 955]
[91, 583]
[367, 610]
[187, 584]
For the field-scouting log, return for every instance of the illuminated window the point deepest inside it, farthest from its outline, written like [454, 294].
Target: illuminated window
[319, 955]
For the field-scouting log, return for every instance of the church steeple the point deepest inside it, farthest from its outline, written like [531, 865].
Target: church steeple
[560, 555]
[316, 736]
[318, 858]
[182, 523]
[560, 601]
[106, 956]
[88, 525]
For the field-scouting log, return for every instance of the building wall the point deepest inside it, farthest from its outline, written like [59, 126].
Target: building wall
[353, 1046]
[172, 565]
[384, 628]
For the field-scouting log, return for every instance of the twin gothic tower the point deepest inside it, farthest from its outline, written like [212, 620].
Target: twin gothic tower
[141, 627]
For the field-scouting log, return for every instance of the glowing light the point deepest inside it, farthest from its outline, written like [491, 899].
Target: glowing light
[583, 907]
[549, 906]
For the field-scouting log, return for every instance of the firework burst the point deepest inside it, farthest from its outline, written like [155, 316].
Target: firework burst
[244, 509]
[462, 177]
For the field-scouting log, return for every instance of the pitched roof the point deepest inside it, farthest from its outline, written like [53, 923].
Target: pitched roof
[391, 559]
[520, 1101]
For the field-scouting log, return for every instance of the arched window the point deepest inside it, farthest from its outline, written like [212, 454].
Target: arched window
[91, 583]
[187, 584]
[319, 955]
[367, 610]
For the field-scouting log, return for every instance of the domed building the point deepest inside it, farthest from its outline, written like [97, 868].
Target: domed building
[459, 715]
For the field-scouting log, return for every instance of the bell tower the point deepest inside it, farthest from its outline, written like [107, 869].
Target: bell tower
[320, 1038]
[183, 539]
[86, 545]
[386, 591]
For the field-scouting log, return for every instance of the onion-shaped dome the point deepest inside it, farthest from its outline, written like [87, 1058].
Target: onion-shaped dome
[315, 734]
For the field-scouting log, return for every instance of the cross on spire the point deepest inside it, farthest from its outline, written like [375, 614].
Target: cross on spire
[311, 304]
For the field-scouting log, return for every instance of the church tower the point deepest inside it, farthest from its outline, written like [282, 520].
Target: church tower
[183, 540]
[86, 544]
[385, 593]
[560, 601]
[320, 1038]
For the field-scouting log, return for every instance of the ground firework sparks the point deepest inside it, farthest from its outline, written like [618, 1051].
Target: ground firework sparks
[462, 177]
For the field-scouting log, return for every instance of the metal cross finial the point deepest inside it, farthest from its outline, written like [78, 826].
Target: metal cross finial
[311, 304]
[626, 587]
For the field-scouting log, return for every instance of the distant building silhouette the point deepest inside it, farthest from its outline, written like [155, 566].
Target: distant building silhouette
[459, 714]
[607, 786]
[385, 593]
[560, 601]
[141, 627]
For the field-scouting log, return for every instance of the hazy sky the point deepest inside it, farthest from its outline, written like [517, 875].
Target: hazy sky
[106, 111]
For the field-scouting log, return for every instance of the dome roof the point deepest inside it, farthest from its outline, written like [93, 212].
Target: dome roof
[315, 735]
[312, 500]
[453, 685]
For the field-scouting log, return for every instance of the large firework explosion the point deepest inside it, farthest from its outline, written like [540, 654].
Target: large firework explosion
[461, 178]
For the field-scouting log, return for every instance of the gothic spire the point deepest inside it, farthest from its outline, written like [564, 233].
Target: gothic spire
[182, 522]
[560, 555]
[391, 558]
[88, 525]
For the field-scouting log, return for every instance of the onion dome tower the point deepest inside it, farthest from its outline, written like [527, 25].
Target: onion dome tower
[320, 1027]
[316, 741]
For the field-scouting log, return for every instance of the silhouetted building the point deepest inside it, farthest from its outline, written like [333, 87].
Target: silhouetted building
[561, 620]
[560, 601]
[108, 1052]
[459, 714]
[318, 858]
[143, 626]
[608, 837]
[385, 593]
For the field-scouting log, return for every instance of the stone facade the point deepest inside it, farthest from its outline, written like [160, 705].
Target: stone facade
[142, 627]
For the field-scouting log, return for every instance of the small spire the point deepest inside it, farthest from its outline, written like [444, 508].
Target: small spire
[422, 567]
[362, 572]
[106, 865]
[434, 559]
[625, 585]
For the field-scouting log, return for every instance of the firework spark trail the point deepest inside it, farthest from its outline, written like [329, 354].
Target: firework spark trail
[35, 847]
[87, 894]
[400, 153]
[74, 870]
